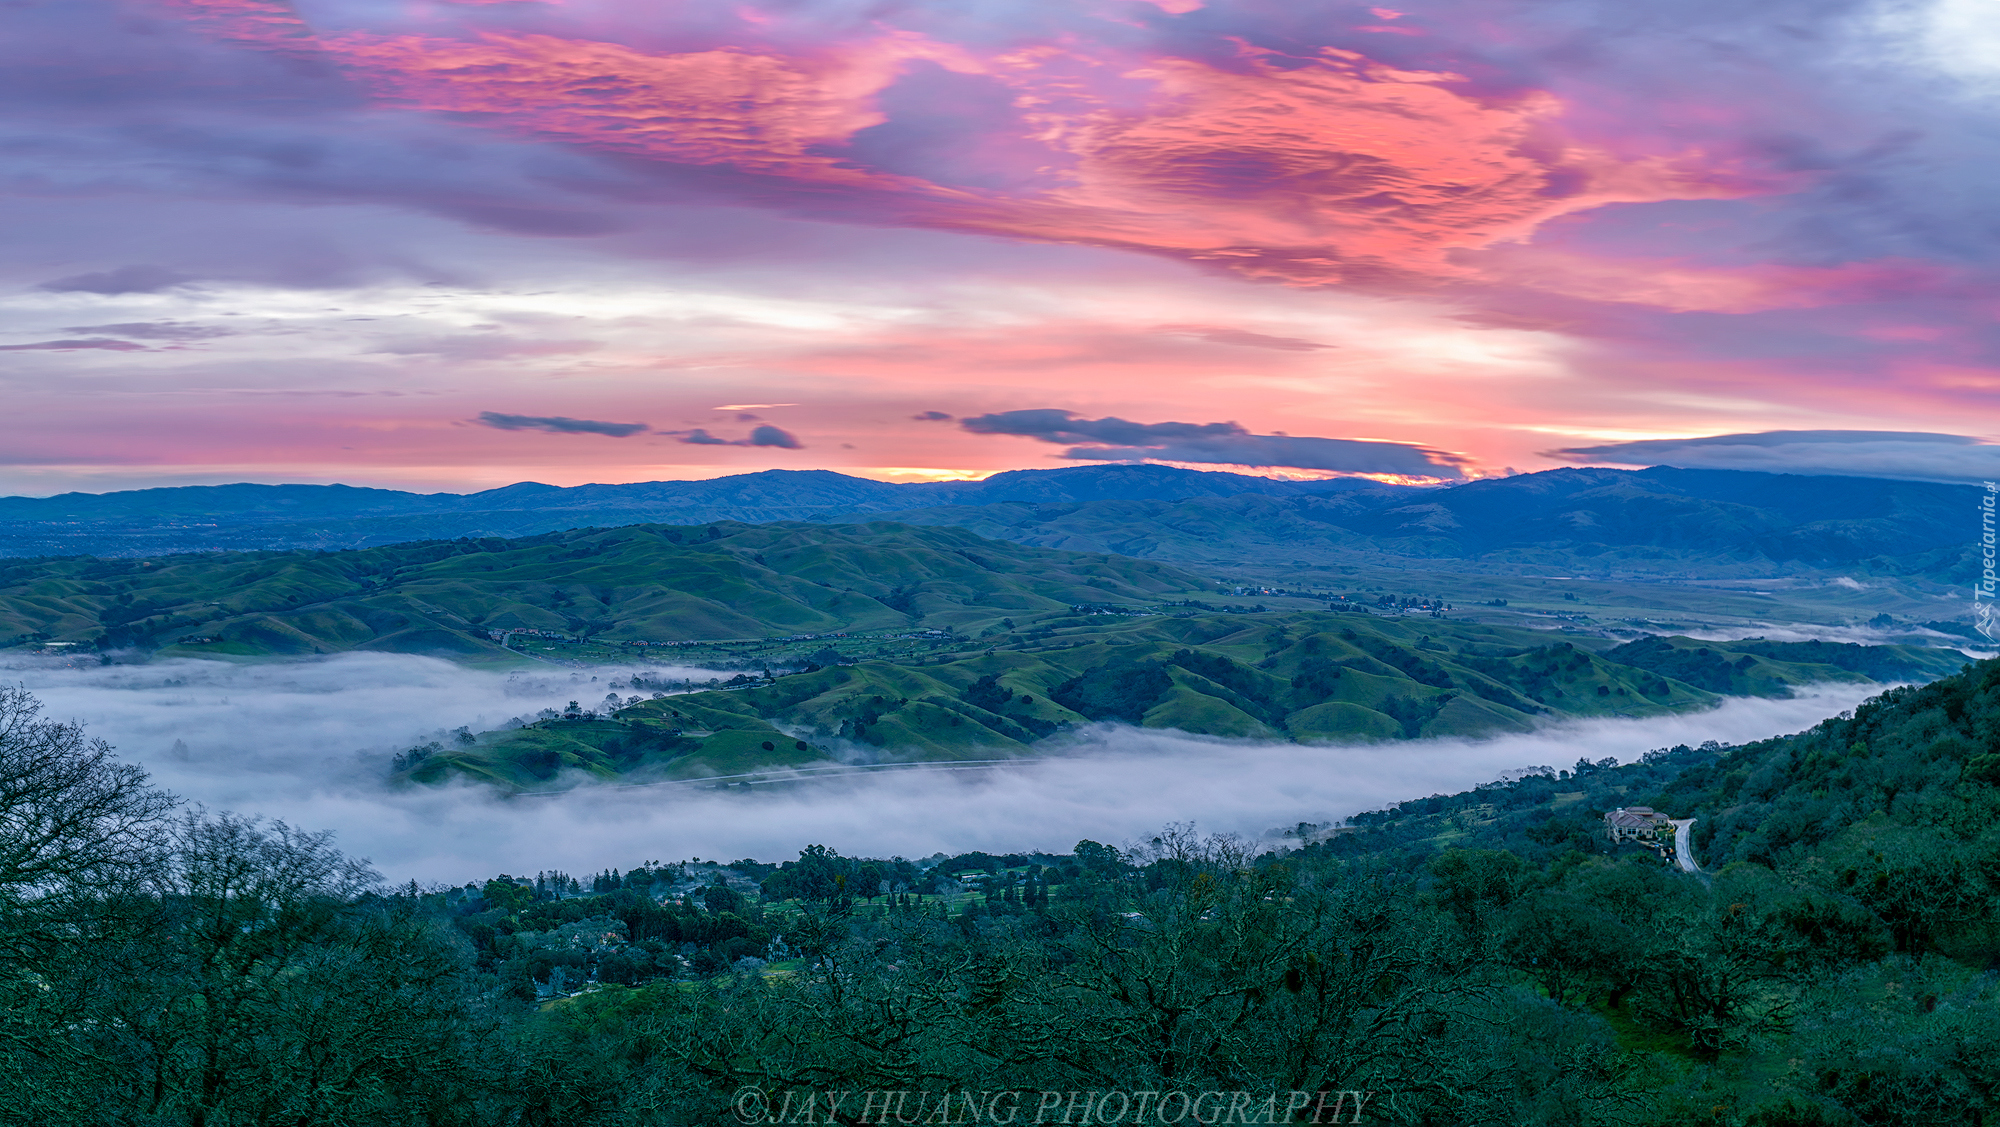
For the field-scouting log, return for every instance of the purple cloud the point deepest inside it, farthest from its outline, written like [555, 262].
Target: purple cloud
[485, 347]
[557, 424]
[155, 330]
[1050, 425]
[1121, 440]
[71, 345]
[766, 435]
[1914, 455]
[123, 280]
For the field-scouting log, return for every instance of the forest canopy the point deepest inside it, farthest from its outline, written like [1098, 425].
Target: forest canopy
[1484, 957]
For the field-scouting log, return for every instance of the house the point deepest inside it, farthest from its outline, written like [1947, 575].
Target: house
[1642, 824]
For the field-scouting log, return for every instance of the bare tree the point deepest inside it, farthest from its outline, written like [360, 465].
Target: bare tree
[74, 822]
[76, 839]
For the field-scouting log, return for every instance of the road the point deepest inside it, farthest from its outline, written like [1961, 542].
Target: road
[1683, 848]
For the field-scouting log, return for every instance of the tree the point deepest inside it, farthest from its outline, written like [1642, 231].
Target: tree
[75, 836]
[274, 983]
[988, 693]
[1473, 884]
[587, 628]
[719, 898]
[74, 823]
[1569, 945]
[503, 893]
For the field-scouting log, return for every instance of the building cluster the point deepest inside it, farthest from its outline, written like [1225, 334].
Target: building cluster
[1641, 824]
[503, 635]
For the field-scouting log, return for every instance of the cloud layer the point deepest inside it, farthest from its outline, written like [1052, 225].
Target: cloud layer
[1120, 440]
[310, 741]
[764, 435]
[557, 424]
[1840, 453]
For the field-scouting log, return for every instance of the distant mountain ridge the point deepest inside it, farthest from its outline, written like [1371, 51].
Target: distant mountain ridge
[145, 522]
[1660, 520]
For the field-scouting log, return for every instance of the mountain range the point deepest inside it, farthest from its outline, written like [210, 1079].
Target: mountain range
[245, 516]
[1657, 521]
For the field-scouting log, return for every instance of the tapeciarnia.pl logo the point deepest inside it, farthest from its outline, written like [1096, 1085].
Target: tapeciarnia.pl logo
[1988, 586]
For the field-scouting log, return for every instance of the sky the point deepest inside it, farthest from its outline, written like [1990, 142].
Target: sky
[453, 244]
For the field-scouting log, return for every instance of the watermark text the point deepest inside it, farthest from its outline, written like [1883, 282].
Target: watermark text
[1020, 1106]
[1988, 587]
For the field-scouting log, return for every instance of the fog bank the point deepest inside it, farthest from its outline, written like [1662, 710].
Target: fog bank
[309, 742]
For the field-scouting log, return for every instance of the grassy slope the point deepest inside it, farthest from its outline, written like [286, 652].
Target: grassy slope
[1308, 677]
[651, 582]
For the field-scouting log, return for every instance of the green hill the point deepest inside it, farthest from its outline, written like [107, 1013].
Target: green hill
[644, 582]
[1838, 968]
[1310, 677]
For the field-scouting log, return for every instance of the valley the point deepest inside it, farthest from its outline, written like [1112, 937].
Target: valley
[985, 630]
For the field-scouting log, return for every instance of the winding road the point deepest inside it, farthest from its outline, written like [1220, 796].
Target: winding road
[1683, 848]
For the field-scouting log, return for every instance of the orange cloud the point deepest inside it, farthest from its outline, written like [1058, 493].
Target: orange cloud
[757, 112]
[1323, 171]
[1335, 170]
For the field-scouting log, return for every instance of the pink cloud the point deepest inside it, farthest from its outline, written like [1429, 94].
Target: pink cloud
[1329, 170]
[1687, 286]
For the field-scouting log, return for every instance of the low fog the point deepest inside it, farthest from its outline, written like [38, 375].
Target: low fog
[1863, 635]
[309, 742]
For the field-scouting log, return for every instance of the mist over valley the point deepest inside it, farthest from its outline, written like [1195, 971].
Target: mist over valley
[312, 742]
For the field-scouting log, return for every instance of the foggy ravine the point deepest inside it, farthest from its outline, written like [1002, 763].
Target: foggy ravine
[309, 742]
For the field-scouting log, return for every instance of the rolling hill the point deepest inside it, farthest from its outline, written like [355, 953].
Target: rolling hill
[1313, 677]
[644, 582]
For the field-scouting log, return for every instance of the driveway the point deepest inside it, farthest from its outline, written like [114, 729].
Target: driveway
[1683, 848]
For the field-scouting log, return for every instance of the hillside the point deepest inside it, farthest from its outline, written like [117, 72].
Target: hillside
[1838, 957]
[645, 582]
[1311, 677]
[1912, 767]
